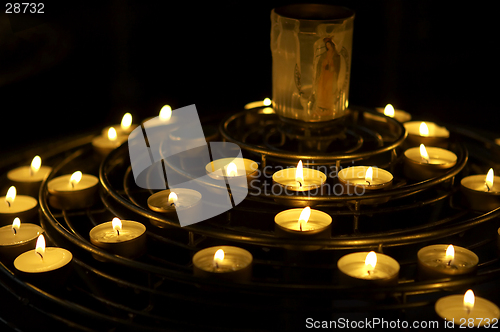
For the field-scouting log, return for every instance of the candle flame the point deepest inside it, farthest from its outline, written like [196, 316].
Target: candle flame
[112, 134]
[267, 102]
[231, 169]
[126, 121]
[389, 110]
[16, 224]
[450, 254]
[40, 246]
[36, 163]
[304, 216]
[371, 260]
[369, 175]
[489, 179]
[299, 174]
[424, 154]
[75, 178]
[469, 300]
[117, 225]
[218, 257]
[424, 130]
[172, 198]
[11, 196]
[165, 113]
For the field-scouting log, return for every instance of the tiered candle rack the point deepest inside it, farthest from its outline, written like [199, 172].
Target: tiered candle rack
[159, 292]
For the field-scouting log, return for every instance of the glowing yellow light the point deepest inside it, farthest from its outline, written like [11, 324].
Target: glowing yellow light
[450, 254]
[299, 174]
[40, 246]
[117, 225]
[469, 300]
[172, 198]
[112, 134]
[489, 179]
[424, 154]
[369, 175]
[267, 102]
[165, 113]
[371, 261]
[232, 170]
[218, 257]
[36, 163]
[11, 195]
[16, 224]
[423, 129]
[126, 121]
[75, 178]
[304, 216]
[389, 110]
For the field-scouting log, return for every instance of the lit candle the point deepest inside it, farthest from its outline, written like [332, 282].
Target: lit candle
[303, 223]
[467, 310]
[13, 205]
[18, 238]
[422, 163]
[399, 115]
[49, 261]
[27, 179]
[261, 103]
[482, 192]
[427, 133]
[234, 168]
[104, 144]
[122, 129]
[121, 237]
[179, 203]
[369, 267]
[299, 179]
[73, 191]
[223, 262]
[358, 179]
[445, 261]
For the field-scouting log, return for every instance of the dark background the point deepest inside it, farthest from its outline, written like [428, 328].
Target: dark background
[81, 66]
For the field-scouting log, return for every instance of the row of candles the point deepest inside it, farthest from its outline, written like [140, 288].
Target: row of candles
[127, 238]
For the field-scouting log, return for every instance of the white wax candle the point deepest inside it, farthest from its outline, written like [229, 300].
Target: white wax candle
[437, 156]
[53, 259]
[413, 128]
[186, 198]
[311, 179]
[477, 183]
[62, 184]
[20, 204]
[356, 176]
[25, 174]
[354, 266]
[451, 308]
[433, 261]
[104, 144]
[26, 232]
[289, 220]
[104, 233]
[234, 259]
[399, 115]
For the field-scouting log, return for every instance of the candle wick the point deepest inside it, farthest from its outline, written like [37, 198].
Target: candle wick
[216, 265]
[449, 263]
[369, 272]
[41, 256]
[468, 310]
[300, 226]
[488, 187]
[118, 232]
[14, 230]
[368, 182]
[300, 183]
[72, 185]
[8, 203]
[172, 204]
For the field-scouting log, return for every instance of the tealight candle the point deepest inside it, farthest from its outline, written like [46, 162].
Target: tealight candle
[358, 180]
[181, 203]
[18, 238]
[121, 237]
[422, 163]
[223, 262]
[72, 191]
[104, 144]
[232, 168]
[367, 268]
[27, 179]
[427, 133]
[482, 192]
[261, 103]
[399, 115]
[299, 179]
[303, 224]
[13, 205]
[445, 261]
[52, 262]
[124, 128]
[467, 310]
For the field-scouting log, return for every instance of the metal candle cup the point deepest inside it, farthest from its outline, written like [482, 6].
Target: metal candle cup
[438, 136]
[188, 201]
[477, 194]
[64, 196]
[440, 161]
[451, 308]
[129, 241]
[354, 182]
[354, 270]
[236, 265]
[432, 262]
[24, 207]
[13, 244]
[318, 226]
